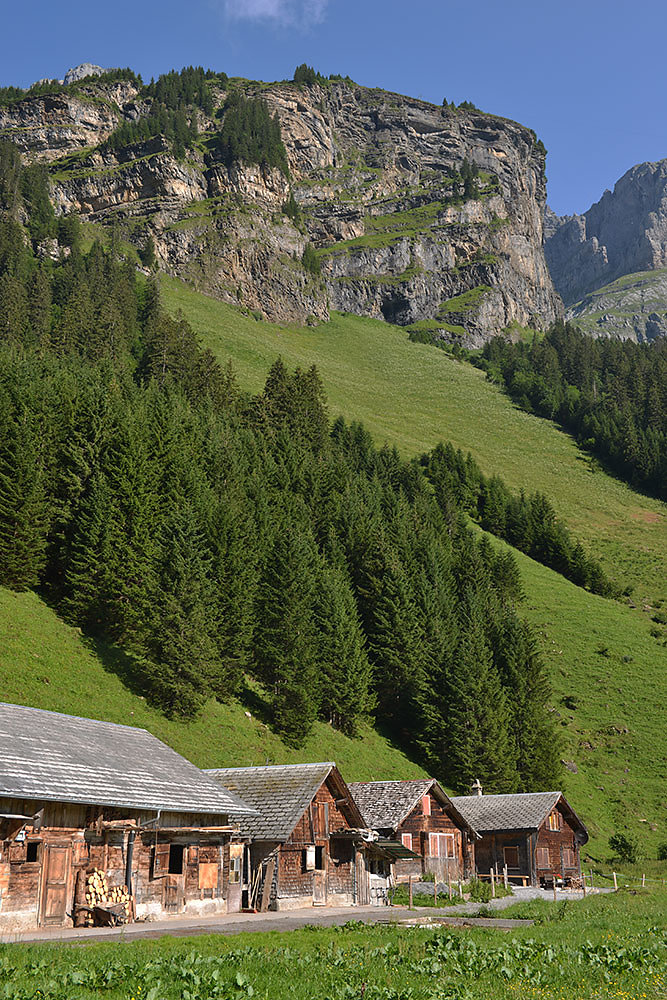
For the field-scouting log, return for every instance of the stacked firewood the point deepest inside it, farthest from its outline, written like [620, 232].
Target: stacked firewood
[99, 893]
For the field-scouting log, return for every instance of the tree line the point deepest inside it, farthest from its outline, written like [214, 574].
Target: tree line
[217, 537]
[610, 393]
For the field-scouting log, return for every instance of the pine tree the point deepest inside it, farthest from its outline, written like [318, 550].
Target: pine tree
[344, 670]
[479, 744]
[285, 634]
[24, 511]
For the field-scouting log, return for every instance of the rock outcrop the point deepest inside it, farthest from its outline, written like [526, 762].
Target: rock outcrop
[375, 176]
[623, 233]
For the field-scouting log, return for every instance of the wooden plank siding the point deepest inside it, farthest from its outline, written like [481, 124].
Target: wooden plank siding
[297, 883]
[538, 855]
[42, 866]
[423, 825]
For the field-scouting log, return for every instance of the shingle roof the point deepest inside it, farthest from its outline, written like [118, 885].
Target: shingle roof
[385, 804]
[279, 792]
[61, 758]
[524, 811]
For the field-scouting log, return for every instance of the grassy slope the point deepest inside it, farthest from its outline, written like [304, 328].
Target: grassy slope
[47, 664]
[414, 396]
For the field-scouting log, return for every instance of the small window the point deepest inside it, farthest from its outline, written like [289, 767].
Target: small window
[554, 820]
[319, 859]
[176, 859]
[441, 845]
[308, 858]
[234, 870]
[511, 856]
[542, 857]
[426, 805]
[406, 840]
[32, 851]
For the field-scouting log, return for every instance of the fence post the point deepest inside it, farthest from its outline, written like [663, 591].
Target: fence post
[449, 882]
[435, 890]
[554, 888]
[410, 891]
[505, 876]
[493, 886]
[460, 888]
[583, 883]
[615, 881]
[643, 881]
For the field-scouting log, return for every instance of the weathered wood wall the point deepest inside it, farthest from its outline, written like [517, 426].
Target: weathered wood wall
[79, 829]
[419, 825]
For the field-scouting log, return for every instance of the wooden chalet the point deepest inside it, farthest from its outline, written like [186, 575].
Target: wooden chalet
[536, 835]
[421, 817]
[309, 843]
[100, 822]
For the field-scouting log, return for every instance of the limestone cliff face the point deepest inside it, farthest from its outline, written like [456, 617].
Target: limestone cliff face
[623, 233]
[623, 236]
[373, 174]
[49, 127]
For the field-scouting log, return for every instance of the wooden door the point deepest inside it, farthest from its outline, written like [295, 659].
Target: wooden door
[173, 898]
[362, 879]
[319, 888]
[56, 867]
[235, 882]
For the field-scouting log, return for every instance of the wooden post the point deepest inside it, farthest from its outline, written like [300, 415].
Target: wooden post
[615, 880]
[505, 876]
[435, 891]
[449, 882]
[554, 888]
[460, 888]
[583, 883]
[643, 881]
[591, 874]
[493, 886]
[410, 891]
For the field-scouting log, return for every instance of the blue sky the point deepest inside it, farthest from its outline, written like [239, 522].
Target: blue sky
[589, 76]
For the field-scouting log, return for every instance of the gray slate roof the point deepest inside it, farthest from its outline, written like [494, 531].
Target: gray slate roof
[61, 758]
[524, 811]
[385, 804]
[280, 793]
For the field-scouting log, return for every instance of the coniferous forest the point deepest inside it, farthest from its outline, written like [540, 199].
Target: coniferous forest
[609, 393]
[220, 539]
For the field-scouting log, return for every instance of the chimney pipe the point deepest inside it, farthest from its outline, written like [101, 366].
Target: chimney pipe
[477, 787]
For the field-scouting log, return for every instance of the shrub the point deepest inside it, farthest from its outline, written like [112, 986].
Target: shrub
[662, 851]
[480, 892]
[624, 847]
[310, 260]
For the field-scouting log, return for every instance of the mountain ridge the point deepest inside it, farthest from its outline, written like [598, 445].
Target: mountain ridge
[376, 180]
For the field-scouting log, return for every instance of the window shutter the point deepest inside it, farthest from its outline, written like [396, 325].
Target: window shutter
[406, 840]
[310, 858]
[426, 805]
[161, 860]
[542, 857]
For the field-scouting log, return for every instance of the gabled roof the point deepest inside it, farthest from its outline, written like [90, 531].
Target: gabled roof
[281, 793]
[385, 804]
[523, 811]
[61, 758]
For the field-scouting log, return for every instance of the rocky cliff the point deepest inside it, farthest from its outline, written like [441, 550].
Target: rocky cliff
[377, 180]
[623, 236]
[623, 233]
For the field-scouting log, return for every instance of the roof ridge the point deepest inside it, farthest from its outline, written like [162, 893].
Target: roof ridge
[267, 767]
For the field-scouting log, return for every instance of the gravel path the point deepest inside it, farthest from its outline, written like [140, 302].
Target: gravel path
[238, 923]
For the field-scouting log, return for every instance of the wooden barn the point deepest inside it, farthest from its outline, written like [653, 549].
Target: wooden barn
[309, 843]
[100, 822]
[536, 835]
[423, 819]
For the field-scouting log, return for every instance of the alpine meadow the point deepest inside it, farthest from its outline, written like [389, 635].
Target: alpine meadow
[306, 460]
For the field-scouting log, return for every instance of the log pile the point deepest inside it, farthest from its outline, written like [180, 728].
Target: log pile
[100, 894]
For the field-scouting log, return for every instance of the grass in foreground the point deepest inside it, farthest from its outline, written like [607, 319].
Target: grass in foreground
[604, 947]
